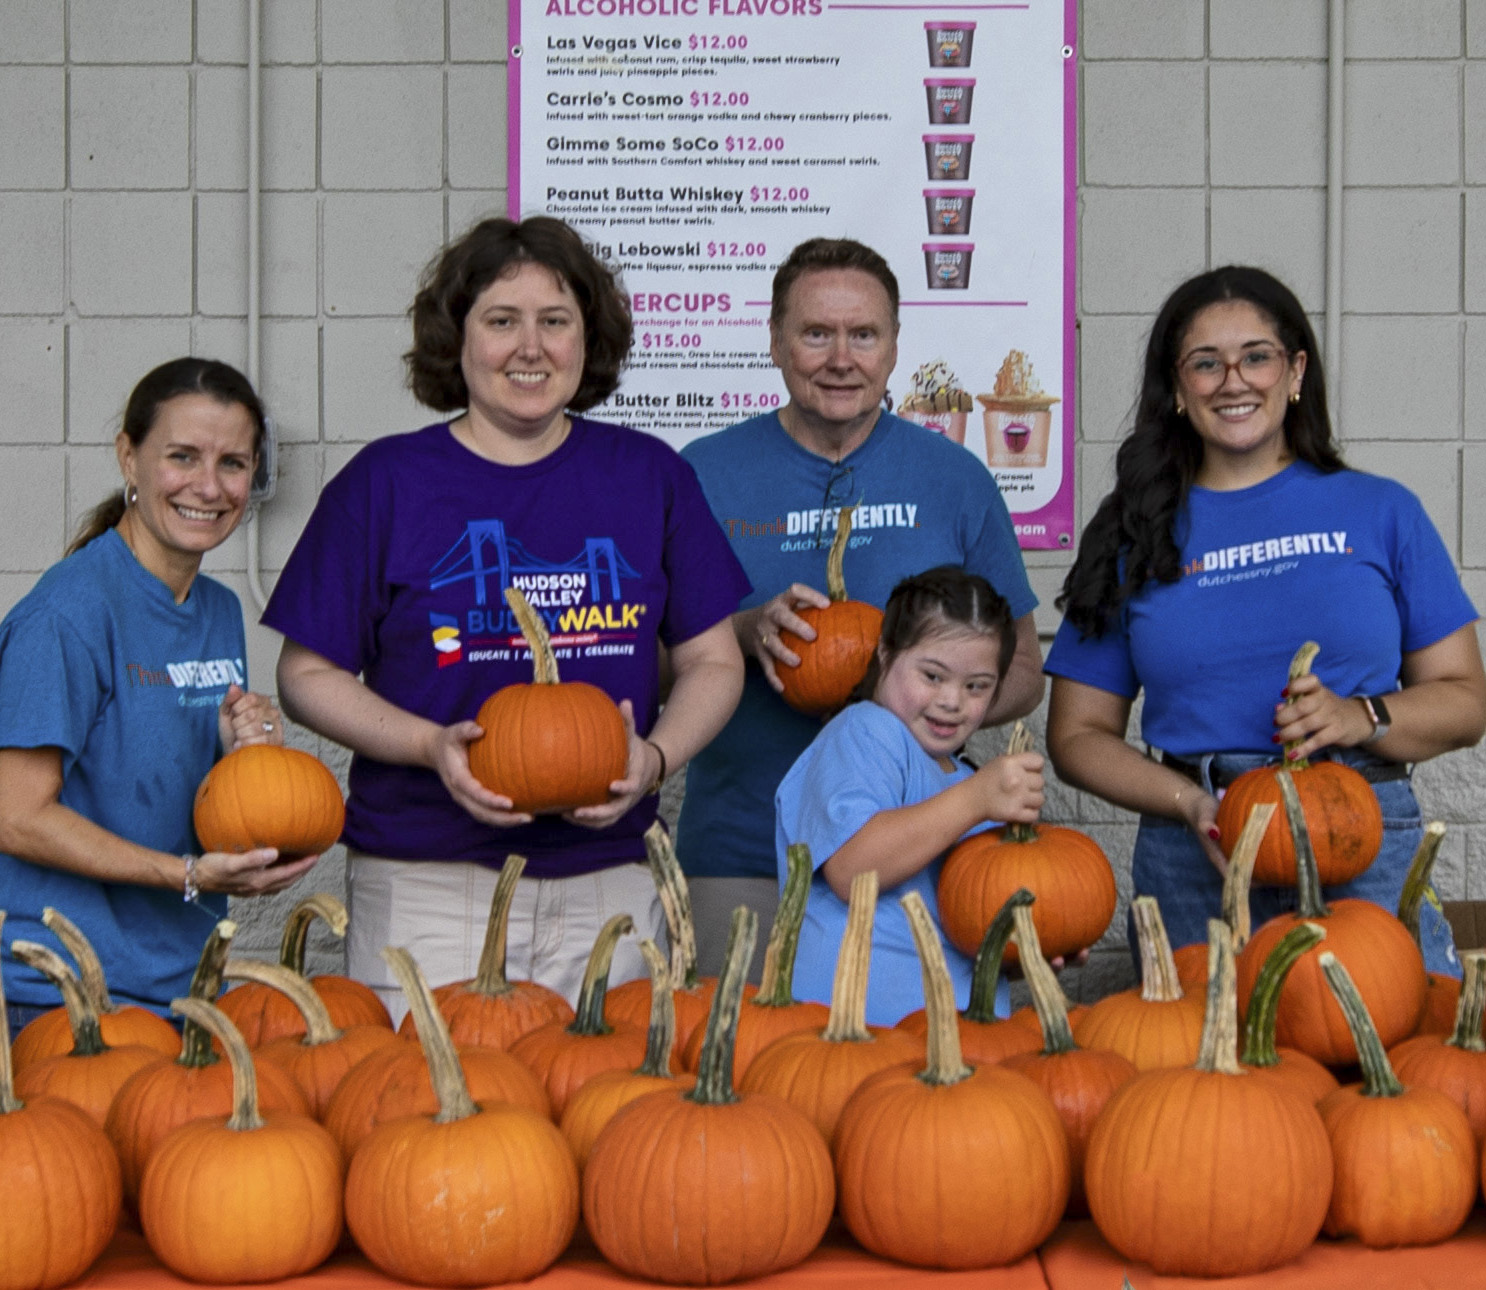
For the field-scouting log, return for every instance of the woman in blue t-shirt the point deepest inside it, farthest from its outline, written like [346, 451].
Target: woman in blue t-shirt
[1233, 534]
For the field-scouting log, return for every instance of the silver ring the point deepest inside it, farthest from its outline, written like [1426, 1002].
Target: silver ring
[268, 727]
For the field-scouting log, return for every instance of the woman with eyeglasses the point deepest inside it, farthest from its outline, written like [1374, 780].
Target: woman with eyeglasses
[1235, 533]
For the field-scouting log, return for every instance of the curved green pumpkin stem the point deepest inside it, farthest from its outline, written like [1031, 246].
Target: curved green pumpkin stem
[8, 1100]
[82, 1017]
[1416, 883]
[206, 985]
[89, 968]
[944, 1058]
[444, 1070]
[1378, 1079]
[1217, 1051]
[1159, 982]
[490, 974]
[848, 1020]
[1236, 881]
[660, 1038]
[836, 556]
[1309, 902]
[776, 985]
[1047, 994]
[675, 902]
[1300, 666]
[714, 1086]
[1019, 742]
[543, 660]
[590, 1011]
[212, 1021]
[1467, 1034]
[987, 970]
[1264, 1004]
[321, 905]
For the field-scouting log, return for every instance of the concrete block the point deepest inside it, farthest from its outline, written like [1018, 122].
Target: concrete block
[33, 142]
[225, 339]
[1475, 250]
[291, 378]
[1111, 351]
[382, 31]
[32, 357]
[12, 587]
[1403, 124]
[1267, 29]
[1430, 470]
[1096, 477]
[1374, 403]
[92, 477]
[288, 254]
[131, 253]
[1452, 787]
[477, 32]
[1047, 584]
[105, 359]
[1419, 29]
[288, 124]
[1475, 377]
[338, 455]
[1475, 864]
[283, 519]
[382, 127]
[477, 126]
[129, 31]
[396, 232]
[1144, 123]
[33, 31]
[263, 645]
[365, 397]
[287, 34]
[145, 146]
[1475, 123]
[1268, 124]
[1279, 229]
[260, 922]
[468, 207]
[1473, 484]
[1401, 251]
[1137, 244]
[1475, 28]
[31, 253]
[1141, 29]
[31, 489]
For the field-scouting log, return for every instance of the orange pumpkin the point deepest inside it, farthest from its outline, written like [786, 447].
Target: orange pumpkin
[263, 795]
[1191, 960]
[1261, 1057]
[846, 635]
[1441, 993]
[1340, 807]
[1063, 868]
[1454, 1064]
[656, 1200]
[551, 745]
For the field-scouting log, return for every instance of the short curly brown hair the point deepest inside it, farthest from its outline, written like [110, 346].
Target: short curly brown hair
[493, 248]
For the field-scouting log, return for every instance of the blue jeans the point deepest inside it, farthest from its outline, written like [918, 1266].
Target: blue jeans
[1169, 863]
[18, 1015]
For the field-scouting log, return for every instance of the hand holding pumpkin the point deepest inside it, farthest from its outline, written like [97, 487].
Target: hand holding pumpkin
[642, 765]
[1315, 717]
[448, 755]
[1198, 809]
[758, 629]
[259, 872]
[247, 718]
[1011, 788]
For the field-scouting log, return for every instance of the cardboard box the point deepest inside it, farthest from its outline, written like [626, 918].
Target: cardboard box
[1468, 922]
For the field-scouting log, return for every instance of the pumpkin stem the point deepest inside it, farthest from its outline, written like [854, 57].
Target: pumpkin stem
[1310, 903]
[206, 984]
[1019, 742]
[776, 985]
[8, 1100]
[1264, 1003]
[89, 968]
[543, 660]
[987, 969]
[1236, 912]
[1416, 888]
[836, 556]
[1467, 1034]
[714, 1086]
[1159, 982]
[1300, 666]
[848, 1020]
[675, 901]
[660, 1039]
[490, 975]
[1378, 1079]
[319, 1028]
[944, 1060]
[455, 1102]
[211, 1020]
[1047, 994]
[1217, 1051]
[321, 905]
[82, 1017]
[590, 1011]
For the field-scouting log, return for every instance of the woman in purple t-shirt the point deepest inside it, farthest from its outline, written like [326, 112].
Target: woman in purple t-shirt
[396, 627]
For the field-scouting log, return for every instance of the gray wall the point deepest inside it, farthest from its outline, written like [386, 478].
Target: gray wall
[122, 177]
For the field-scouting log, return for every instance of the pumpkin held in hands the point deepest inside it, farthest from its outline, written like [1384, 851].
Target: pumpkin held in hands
[262, 795]
[552, 745]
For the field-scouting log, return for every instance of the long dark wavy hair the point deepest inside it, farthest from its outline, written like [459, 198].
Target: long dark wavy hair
[1131, 539]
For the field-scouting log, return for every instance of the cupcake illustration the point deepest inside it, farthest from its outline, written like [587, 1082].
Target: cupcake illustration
[1018, 416]
[937, 402]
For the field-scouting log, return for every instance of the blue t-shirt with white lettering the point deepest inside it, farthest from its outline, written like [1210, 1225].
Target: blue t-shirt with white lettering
[99, 661]
[1346, 559]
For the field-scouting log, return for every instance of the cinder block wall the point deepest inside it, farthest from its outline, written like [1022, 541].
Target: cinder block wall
[122, 218]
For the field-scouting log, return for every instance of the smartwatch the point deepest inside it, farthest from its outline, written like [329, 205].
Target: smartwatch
[1377, 712]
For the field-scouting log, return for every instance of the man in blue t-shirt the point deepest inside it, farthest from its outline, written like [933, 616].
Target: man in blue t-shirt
[777, 484]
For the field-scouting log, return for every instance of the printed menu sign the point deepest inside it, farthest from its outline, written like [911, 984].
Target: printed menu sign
[695, 142]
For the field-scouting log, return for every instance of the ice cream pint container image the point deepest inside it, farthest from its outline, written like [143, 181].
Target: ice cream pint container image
[949, 100]
[1018, 418]
[949, 43]
[937, 402]
[948, 210]
[948, 157]
[948, 265]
